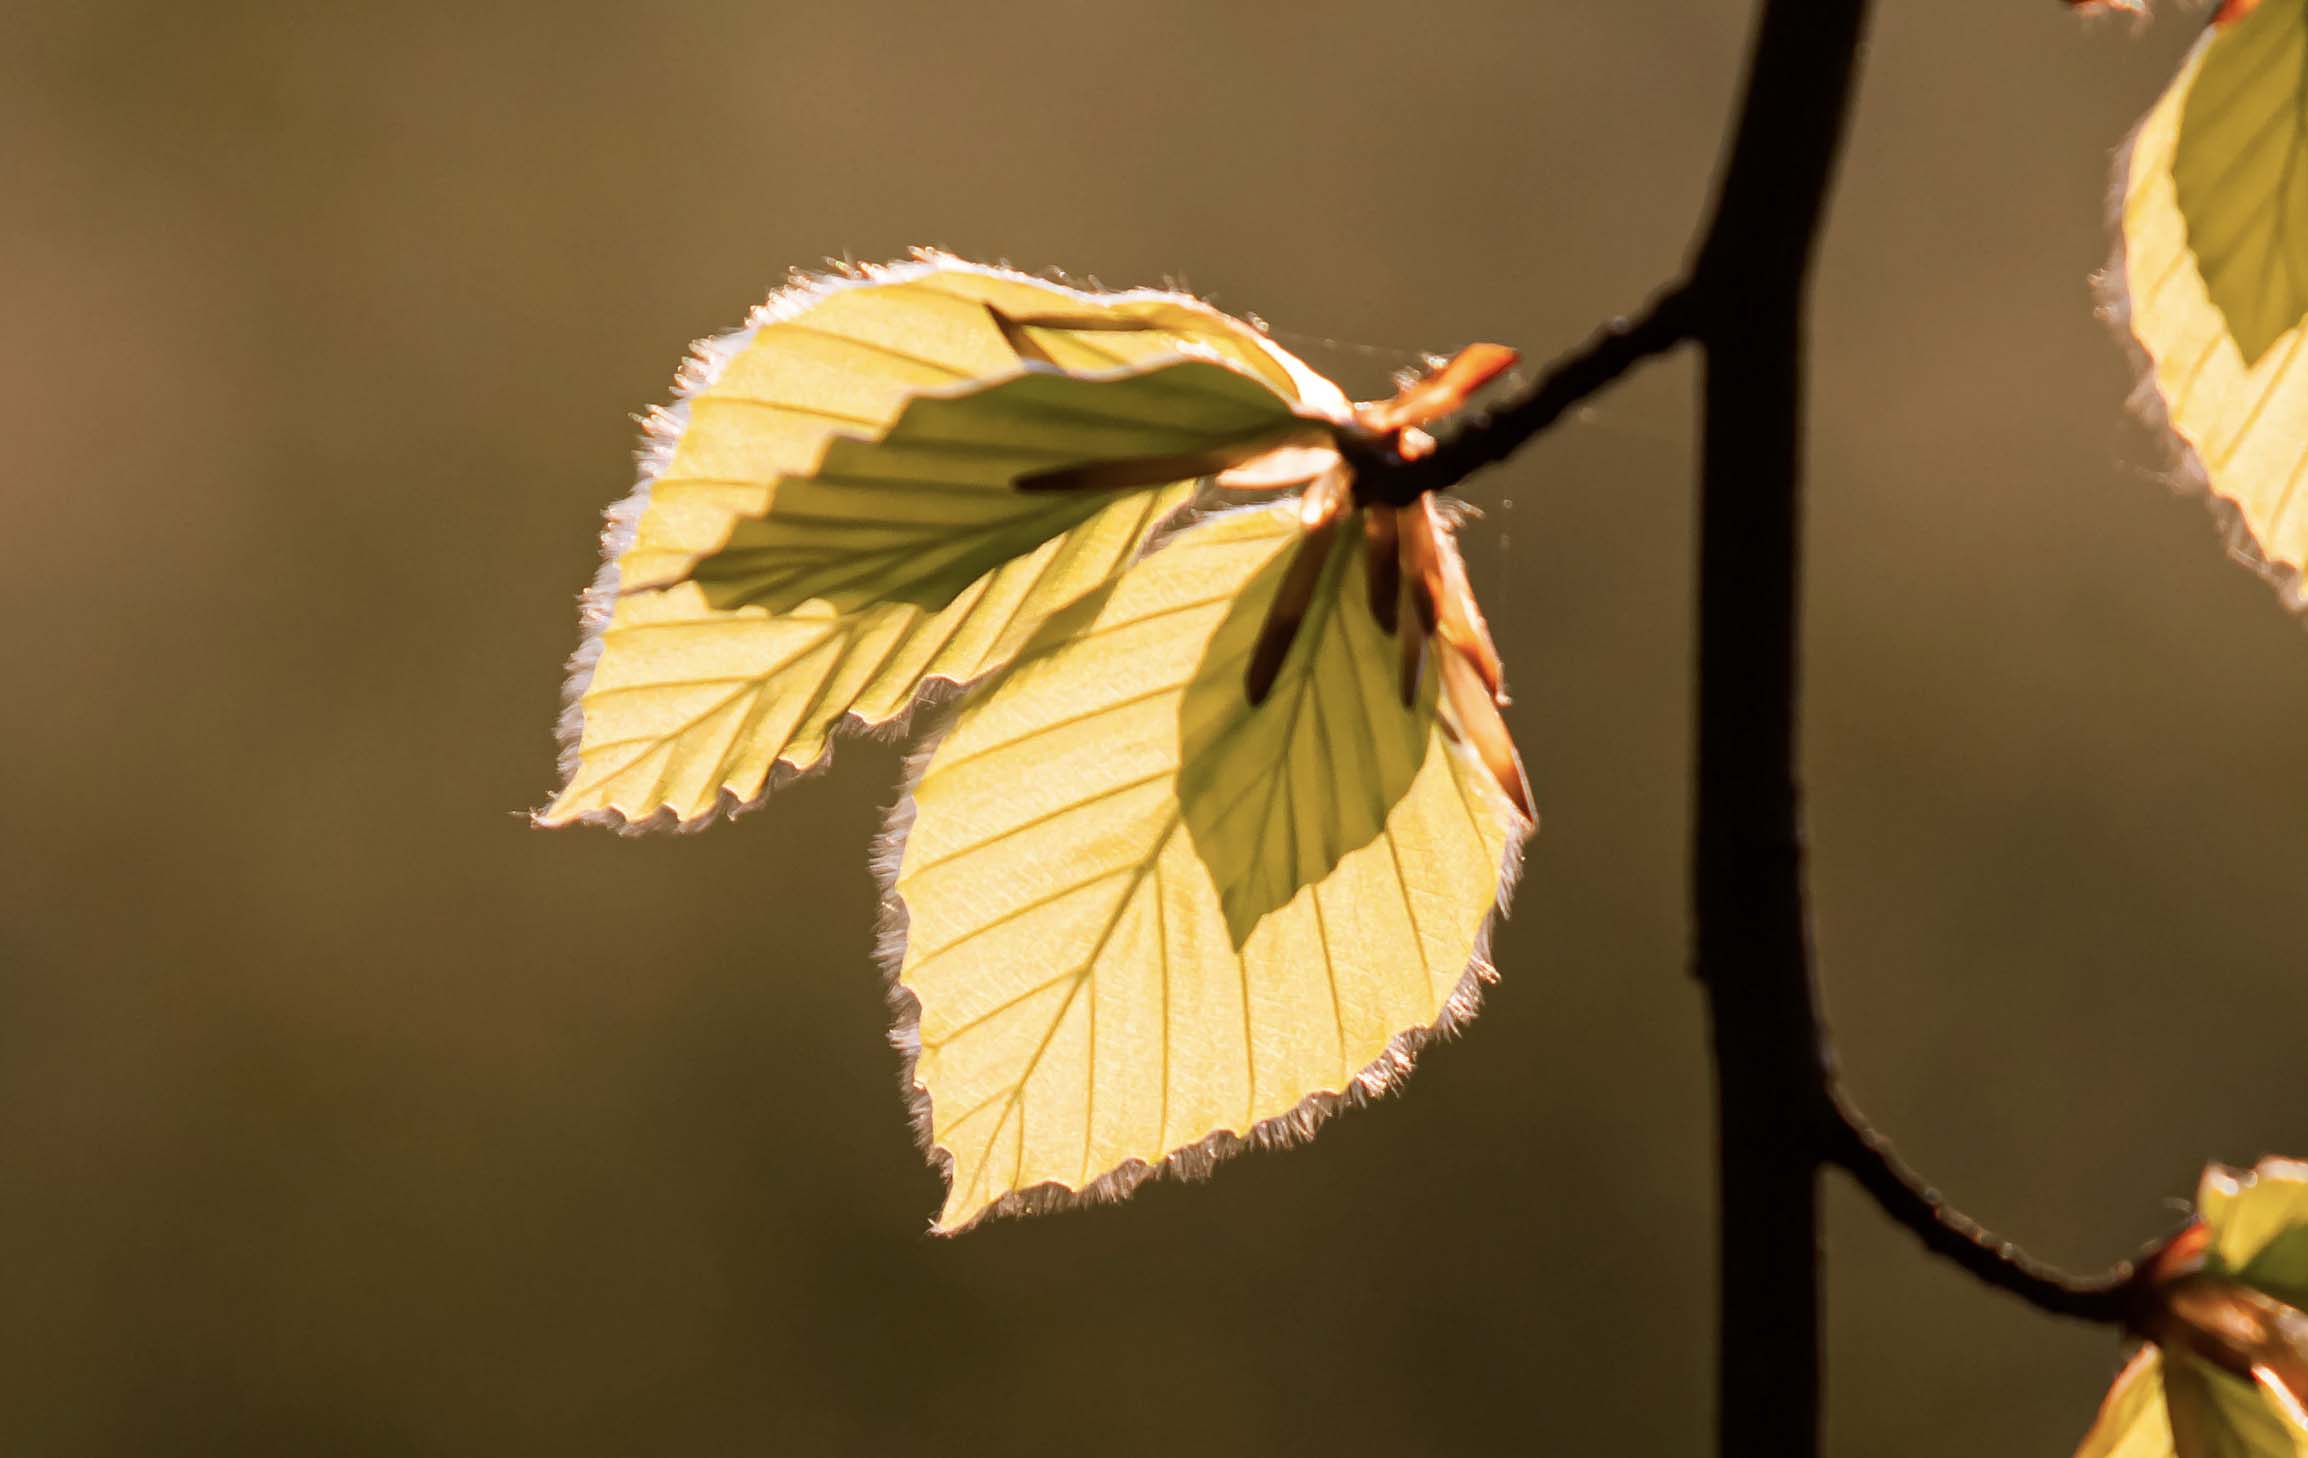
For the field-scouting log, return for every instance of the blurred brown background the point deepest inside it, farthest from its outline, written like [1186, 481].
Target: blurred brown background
[341, 1112]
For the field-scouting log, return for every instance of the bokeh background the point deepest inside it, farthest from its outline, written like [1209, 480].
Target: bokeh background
[341, 1112]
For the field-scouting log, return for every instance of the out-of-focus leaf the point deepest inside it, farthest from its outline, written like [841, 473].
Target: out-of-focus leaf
[2217, 1415]
[2211, 278]
[2165, 1406]
[2259, 1223]
[1079, 1008]
[842, 469]
[2132, 1421]
[2240, 173]
[2226, 1373]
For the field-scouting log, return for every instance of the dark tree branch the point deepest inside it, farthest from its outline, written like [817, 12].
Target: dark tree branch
[1751, 944]
[1904, 1196]
[1780, 1117]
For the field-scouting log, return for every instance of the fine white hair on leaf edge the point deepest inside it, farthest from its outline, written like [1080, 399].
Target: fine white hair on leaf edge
[2184, 469]
[1382, 1075]
[661, 431]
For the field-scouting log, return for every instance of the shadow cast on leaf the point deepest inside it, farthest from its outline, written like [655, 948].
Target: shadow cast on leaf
[1275, 795]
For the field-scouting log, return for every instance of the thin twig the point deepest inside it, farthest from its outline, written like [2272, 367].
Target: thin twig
[1487, 437]
[1856, 1147]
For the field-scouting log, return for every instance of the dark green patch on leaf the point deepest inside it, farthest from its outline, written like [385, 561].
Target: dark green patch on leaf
[2241, 173]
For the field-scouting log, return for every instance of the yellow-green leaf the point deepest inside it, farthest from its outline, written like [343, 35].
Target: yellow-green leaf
[2259, 1224]
[2240, 173]
[1078, 1009]
[2217, 1415]
[2132, 1421]
[2221, 330]
[1275, 797]
[690, 697]
[2166, 1405]
[2227, 1375]
[689, 709]
[920, 512]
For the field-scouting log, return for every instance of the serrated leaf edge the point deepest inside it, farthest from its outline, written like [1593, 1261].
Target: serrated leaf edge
[2185, 472]
[1382, 1075]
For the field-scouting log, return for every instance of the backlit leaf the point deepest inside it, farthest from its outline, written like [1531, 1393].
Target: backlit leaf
[2211, 278]
[1276, 797]
[826, 528]
[2259, 1223]
[2217, 1415]
[2240, 173]
[690, 709]
[2167, 1406]
[1082, 1005]
[2226, 1372]
[2133, 1422]
[919, 513]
